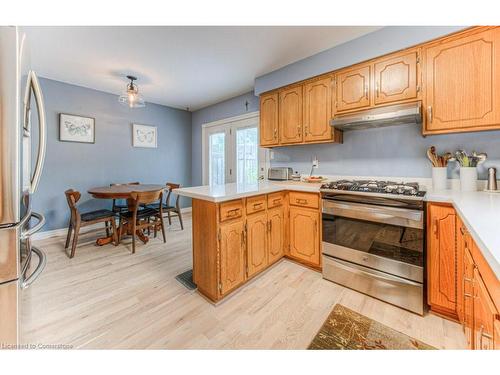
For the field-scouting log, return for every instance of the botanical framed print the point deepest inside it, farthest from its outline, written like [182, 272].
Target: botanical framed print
[73, 128]
[144, 136]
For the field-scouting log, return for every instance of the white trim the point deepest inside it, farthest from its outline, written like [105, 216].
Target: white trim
[61, 232]
[231, 119]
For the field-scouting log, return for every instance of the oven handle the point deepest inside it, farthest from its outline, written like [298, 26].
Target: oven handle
[360, 270]
[401, 216]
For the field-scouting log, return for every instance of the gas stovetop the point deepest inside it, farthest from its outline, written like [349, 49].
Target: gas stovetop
[373, 186]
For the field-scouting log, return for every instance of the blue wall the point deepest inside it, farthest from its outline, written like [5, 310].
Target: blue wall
[229, 108]
[386, 40]
[112, 158]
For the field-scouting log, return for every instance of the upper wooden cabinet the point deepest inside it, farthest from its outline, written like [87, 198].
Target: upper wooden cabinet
[318, 110]
[461, 81]
[353, 88]
[269, 126]
[441, 259]
[291, 115]
[396, 78]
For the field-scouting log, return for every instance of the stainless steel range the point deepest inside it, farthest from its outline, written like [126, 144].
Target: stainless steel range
[373, 239]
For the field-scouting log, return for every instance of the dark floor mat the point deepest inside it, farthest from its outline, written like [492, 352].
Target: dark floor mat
[186, 279]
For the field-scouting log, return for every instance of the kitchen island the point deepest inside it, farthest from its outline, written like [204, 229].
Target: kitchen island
[241, 230]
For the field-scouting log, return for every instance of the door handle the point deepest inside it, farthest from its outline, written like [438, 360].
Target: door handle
[366, 91]
[34, 84]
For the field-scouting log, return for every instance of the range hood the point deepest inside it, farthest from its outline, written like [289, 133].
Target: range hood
[399, 114]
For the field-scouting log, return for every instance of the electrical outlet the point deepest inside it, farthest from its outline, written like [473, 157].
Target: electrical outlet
[315, 163]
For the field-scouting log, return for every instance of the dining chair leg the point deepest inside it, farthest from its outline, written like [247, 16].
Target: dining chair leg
[169, 218]
[106, 224]
[68, 237]
[155, 230]
[115, 234]
[180, 218]
[75, 239]
[120, 228]
[149, 228]
[133, 236]
[163, 229]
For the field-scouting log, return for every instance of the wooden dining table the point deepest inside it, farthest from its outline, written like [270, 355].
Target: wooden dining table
[122, 192]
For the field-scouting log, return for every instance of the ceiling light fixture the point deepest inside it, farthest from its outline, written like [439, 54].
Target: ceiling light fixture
[131, 97]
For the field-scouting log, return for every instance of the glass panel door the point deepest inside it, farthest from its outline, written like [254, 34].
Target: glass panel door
[247, 161]
[217, 158]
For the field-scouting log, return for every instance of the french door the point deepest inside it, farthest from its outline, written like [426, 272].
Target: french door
[231, 152]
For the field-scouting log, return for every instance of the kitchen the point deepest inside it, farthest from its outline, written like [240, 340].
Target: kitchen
[353, 183]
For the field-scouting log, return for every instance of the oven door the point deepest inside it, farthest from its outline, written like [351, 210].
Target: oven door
[383, 238]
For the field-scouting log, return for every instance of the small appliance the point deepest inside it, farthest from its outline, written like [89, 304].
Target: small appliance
[279, 173]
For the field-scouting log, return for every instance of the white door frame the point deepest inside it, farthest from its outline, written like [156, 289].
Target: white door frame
[206, 130]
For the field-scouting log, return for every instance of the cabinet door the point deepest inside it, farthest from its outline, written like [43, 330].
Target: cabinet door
[318, 110]
[353, 89]
[257, 250]
[441, 259]
[484, 315]
[276, 220]
[232, 256]
[304, 235]
[462, 237]
[290, 115]
[462, 77]
[396, 78]
[468, 298]
[269, 119]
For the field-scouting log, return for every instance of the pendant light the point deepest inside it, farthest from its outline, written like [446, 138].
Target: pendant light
[131, 97]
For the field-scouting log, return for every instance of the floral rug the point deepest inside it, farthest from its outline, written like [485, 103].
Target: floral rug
[346, 329]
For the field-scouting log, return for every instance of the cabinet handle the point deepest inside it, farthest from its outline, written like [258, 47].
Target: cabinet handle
[232, 212]
[377, 89]
[315, 225]
[436, 227]
[256, 205]
[463, 230]
[305, 130]
[299, 128]
[366, 91]
[301, 201]
[429, 113]
[276, 200]
[275, 133]
[242, 238]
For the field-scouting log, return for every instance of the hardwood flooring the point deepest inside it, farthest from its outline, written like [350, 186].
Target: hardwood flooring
[106, 297]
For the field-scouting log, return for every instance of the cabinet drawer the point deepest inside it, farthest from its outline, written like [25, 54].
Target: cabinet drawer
[256, 204]
[310, 200]
[275, 199]
[231, 210]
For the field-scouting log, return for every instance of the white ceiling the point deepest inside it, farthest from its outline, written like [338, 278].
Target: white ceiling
[177, 66]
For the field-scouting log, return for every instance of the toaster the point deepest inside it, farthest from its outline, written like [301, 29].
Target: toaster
[279, 173]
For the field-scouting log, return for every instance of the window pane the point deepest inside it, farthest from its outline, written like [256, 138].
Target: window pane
[216, 159]
[247, 155]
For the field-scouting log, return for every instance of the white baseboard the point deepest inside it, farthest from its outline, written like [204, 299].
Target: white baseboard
[64, 231]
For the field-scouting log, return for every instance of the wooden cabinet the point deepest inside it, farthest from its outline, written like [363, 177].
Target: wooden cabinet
[461, 236]
[232, 255]
[304, 235]
[290, 115]
[468, 298]
[353, 88]
[318, 110]
[462, 76]
[276, 243]
[484, 315]
[269, 133]
[441, 259]
[396, 78]
[257, 243]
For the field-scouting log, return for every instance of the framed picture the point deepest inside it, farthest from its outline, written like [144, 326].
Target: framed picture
[144, 136]
[73, 128]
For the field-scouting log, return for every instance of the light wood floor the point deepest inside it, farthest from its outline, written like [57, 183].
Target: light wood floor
[108, 298]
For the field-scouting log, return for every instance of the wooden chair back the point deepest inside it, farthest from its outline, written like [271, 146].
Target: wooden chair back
[146, 197]
[72, 197]
[171, 186]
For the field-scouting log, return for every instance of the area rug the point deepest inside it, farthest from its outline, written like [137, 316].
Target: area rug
[186, 279]
[345, 329]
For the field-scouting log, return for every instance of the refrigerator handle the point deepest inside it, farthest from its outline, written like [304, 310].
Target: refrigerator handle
[42, 261]
[36, 228]
[42, 134]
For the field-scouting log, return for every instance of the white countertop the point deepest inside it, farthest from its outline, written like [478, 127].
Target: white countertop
[480, 211]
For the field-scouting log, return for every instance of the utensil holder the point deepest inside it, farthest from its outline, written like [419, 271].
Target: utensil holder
[439, 178]
[468, 178]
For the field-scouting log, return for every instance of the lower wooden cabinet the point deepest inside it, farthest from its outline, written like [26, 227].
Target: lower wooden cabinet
[276, 239]
[257, 243]
[232, 255]
[441, 259]
[467, 280]
[485, 315]
[304, 235]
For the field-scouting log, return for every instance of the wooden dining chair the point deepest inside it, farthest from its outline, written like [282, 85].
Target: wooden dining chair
[171, 210]
[121, 207]
[79, 220]
[142, 216]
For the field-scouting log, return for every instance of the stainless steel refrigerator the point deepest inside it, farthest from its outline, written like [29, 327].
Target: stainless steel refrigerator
[22, 152]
